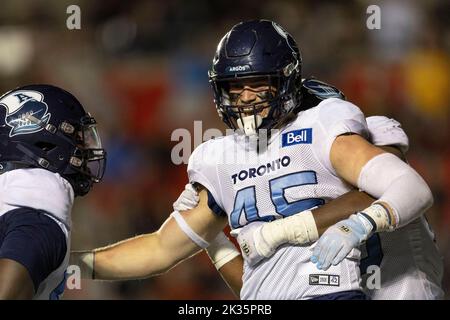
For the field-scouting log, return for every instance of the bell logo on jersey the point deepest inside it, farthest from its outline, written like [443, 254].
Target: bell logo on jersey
[301, 136]
[26, 112]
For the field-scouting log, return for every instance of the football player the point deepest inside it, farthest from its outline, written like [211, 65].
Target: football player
[50, 152]
[312, 157]
[410, 266]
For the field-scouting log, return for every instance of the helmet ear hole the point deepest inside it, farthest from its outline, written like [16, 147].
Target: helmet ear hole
[45, 146]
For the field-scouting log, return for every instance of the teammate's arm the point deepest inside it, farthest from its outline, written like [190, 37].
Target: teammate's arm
[402, 196]
[155, 253]
[232, 272]
[325, 216]
[307, 226]
[401, 191]
[347, 204]
[340, 208]
[390, 138]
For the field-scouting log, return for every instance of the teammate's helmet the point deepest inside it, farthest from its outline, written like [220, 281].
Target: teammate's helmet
[46, 127]
[258, 49]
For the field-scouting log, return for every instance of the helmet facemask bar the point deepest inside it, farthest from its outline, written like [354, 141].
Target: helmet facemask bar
[278, 100]
[248, 115]
[89, 157]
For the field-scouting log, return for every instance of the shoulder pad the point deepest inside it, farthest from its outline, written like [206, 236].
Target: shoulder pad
[314, 91]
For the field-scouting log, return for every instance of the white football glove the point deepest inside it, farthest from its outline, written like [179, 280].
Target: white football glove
[259, 240]
[245, 237]
[339, 240]
[188, 199]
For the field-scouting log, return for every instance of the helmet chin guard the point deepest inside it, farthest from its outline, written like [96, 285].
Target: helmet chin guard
[249, 124]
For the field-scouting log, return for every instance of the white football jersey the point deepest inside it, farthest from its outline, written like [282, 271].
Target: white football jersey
[411, 267]
[292, 174]
[42, 190]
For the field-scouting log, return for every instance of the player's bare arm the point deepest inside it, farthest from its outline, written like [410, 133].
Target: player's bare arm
[15, 281]
[402, 197]
[231, 268]
[340, 208]
[347, 204]
[349, 154]
[155, 253]
[305, 227]
[324, 216]
[232, 272]
[373, 170]
[260, 242]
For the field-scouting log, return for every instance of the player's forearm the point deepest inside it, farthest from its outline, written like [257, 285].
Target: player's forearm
[134, 258]
[307, 226]
[340, 208]
[227, 260]
[150, 254]
[231, 273]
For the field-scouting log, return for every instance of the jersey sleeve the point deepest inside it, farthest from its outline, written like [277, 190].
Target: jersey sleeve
[202, 169]
[336, 117]
[387, 132]
[31, 187]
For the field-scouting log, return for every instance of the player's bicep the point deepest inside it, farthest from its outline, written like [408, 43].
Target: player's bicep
[203, 221]
[349, 154]
[174, 243]
[349, 203]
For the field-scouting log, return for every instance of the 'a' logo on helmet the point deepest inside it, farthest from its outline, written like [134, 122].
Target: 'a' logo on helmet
[26, 112]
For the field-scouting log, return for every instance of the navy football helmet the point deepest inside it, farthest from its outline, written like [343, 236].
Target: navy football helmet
[46, 127]
[259, 51]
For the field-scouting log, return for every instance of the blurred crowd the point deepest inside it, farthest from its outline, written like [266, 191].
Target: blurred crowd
[140, 67]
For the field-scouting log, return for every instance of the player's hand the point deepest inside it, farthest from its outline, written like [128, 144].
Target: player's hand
[260, 240]
[338, 240]
[188, 199]
[253, 247]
